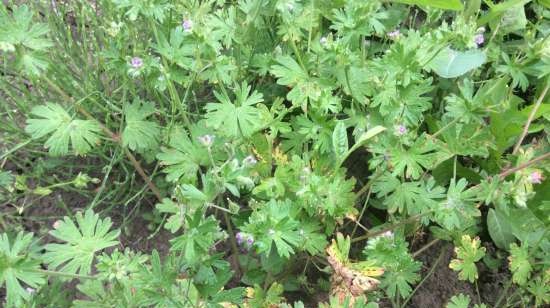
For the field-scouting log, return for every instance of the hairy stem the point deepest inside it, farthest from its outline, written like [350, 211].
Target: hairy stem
[530, 118]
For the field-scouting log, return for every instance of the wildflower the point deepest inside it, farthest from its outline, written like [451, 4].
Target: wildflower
[206, 140]
[250, 160]
[187, 25]
[30, 290]
[323, 41]
[240, 238]
[250, 241]
[535, 177]
[271, 232]
[394, 34]
[479, 39]
[387, 234]
[400, 130]
[136, 62]
[56, 224]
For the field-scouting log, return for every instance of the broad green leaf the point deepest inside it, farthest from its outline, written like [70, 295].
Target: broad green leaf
[459, 301]
[177, 211]
[52, 118]
[468, 253]
[472, 8]
[496, 11]
[183, 156]
[140, 134]
[19, 29]
[238, 118]
[18, 264]
[366, 136]
[199, 236]
[450, 63]
[499, 229]
[519, 263]
[340, 140]
[80, 242]
[455, 5]
[512, 20]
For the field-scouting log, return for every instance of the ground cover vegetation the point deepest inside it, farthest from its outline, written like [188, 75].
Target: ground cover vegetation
[274, 153]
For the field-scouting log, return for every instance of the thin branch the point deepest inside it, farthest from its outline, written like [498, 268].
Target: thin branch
[531, 117]
[111, 135]
[506, 173]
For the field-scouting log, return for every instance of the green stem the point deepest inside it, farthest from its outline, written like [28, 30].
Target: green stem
[61, 274]
[503, 293]
[390, 227]
[174, 96]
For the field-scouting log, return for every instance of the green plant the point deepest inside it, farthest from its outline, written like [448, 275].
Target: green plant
[289, 147]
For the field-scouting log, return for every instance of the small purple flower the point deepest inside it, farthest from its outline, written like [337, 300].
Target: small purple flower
[240, 238]
[206, 140]
[250, 241]
[250, 160]
[394, 34]
[136, 62]
[535, 177]
[187, 25]
[400, 130]
[479, 39]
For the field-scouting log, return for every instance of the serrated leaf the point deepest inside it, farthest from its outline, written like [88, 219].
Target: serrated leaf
[468, 253]
[450, 63]
[519, 263]
[17, 265]
[19, 29]
[140, 134]
[176, 220]
[499, 229]
[52, 118]
[238, 118]
[459, 301]
[454, 5]
[183, 157]
[80, 242]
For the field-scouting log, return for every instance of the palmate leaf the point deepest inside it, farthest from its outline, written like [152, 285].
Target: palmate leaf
[19, 29]
[407, 197]
[183, 156]
[80, 243]
[410, 162]
[459, 301]
[468, 253]
[240, 118]
[18, 266]
[291, 74]
[52, 118]
[459, 207]
[198, 238]
[519, 263]
[140, 134]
